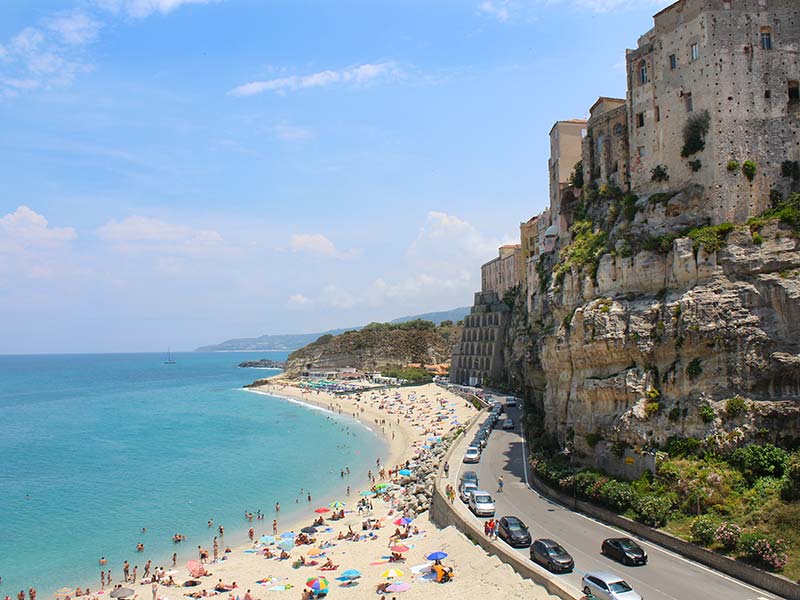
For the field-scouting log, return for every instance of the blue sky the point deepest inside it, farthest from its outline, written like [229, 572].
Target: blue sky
[178, 172]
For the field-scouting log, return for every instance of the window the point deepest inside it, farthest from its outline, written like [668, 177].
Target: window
[767, 94]
[689, 102]
[658, 114]
[726, 4]
[618, 130]
[673, 62]
[695, 52]
[794, 91]
[640, 119]
[640, 151]
[766, 38]
[643, 73]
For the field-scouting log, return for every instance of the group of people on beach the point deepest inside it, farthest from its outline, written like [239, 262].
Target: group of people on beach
[21, 595]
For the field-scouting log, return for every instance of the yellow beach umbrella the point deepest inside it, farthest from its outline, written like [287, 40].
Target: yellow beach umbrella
[392, 573]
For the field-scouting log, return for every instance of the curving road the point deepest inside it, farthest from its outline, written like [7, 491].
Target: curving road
[667, 576]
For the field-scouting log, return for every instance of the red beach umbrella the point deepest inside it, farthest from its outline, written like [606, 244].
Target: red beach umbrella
[322, 510]
[196, 568]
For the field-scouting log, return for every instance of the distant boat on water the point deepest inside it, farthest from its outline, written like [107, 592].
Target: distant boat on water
[169, 360]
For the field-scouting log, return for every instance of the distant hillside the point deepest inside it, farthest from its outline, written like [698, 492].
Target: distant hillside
[293, 341]
[378, 346]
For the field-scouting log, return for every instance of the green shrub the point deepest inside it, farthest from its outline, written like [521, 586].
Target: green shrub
[735, 406]
[609, 191]
[629, 209]
[652, 510]
[733, 166]
[659, 173]
[727, 535]
[625, 249]
[790, 485]
[652, 408]
[588, 484]
[760, 461]
[695, 165]
[765, 550]
[617, 495]
[710, 238]
[694, 133]
[576, 179]
[618, 449]
[412, 374]
[586, 248]
[703, 529]
[678, 447]
[674, 414]
[693, 369]
[593, 439]
[757, 238]
[749, 169]
[707, 413]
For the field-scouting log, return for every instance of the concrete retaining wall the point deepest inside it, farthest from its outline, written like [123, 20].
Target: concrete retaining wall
[767, 581]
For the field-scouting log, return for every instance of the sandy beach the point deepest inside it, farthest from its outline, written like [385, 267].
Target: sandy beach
[411, 419]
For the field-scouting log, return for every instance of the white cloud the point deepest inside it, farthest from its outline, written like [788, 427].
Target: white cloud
[298, 301]
[336, 297]
[75, 28]
[506, 10]
[318, 245]
[144, 8]
[357, 75]
[499, 9]
[138, 234]
[29, 246]
[291, 133]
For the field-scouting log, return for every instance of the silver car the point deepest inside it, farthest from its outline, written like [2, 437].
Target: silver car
[466, 489]
[481, 504]
[607, 586]
[472, 455]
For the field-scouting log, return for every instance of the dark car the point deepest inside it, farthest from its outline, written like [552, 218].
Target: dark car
[625, 550]
[514, 532]
[469, 476]
[552, 556]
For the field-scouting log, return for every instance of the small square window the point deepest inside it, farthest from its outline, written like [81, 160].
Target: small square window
[794, 91]
[673, 62]
[658, 114]
[689, 102]
[640, 151]
[640, 119]
[767, 94]
[695, 52]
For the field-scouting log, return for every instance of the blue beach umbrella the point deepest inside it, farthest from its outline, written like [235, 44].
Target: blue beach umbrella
[367, 493]
[267, 539]
[351, 574]
[437, 555]
[404, 472]
[286, 545]
[288, 535]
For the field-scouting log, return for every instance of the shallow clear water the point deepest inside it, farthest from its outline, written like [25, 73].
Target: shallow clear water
[95, 447]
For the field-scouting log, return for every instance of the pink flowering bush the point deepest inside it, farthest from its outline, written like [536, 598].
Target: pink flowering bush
[765, 551]
[727, 535]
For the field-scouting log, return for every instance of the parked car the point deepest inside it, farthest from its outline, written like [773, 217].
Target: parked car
[481, 503]
[552, 556]
[471, 476]
[514, 532]
[479, 442]
[508, 424]
[511, 402]
[607, 586]
[465, 490]
[625, 550]
[472, 455]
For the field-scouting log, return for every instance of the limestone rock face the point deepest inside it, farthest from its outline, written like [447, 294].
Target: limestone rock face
[637, 355]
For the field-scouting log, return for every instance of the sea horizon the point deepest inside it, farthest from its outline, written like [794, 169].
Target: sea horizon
[98, 446]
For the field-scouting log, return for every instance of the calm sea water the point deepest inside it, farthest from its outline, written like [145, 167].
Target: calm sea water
[95, 447]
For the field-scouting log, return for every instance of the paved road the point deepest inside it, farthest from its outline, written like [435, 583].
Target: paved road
[667, 576]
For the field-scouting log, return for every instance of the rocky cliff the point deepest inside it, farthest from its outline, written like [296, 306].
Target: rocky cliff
[649, 324]
[379, 346]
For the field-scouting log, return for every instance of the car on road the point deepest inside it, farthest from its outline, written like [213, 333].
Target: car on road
[625, 550]
[508, 424]
[552, 556]
[471, 476]
[472, 455]
[514, 532]
[465, 490]
[511, 402]
[607, 586]
[481, 504]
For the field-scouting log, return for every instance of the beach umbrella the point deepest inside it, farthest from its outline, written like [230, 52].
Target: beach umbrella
[322, 510]
[318, 584]
[309, 529]
[64, 592]
[439, 555]
[398, 586]
[400, 549]
[392, 573]
[402, 521]
[288, 534]
[404, 472]
[286, 545]
[315, 552]
[122, 593]
[367, 493]
[336, 505]
[381, 486]
[351, 574]
[266, 539]
[196, 568]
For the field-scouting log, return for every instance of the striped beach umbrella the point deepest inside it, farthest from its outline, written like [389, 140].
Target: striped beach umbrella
[318, 584]
[392, 573]
[336, 505]
[402, 521]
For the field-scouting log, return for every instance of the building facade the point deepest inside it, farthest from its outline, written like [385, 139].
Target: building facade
[566, 150]
[501, 274]
[478, 357]
[605, 147]
[715, 84]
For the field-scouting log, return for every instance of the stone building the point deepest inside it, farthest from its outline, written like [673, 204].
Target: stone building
[605, 147]
[478, 356]
[501, 274]
[566, 141]
[730, 68]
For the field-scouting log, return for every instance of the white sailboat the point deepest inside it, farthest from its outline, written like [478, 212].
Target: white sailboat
[169, 360]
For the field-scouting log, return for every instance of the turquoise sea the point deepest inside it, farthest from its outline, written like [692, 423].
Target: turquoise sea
[93, 448]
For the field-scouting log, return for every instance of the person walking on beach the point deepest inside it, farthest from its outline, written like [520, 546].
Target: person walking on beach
[274, 526]
[108, 578]
[251, 533]
[500, 483]
[102, 580]
[135, 568]
[154, 587]
[174, 558]
[32, 593]
[126, 571]
[446, 469]
[147, 569]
